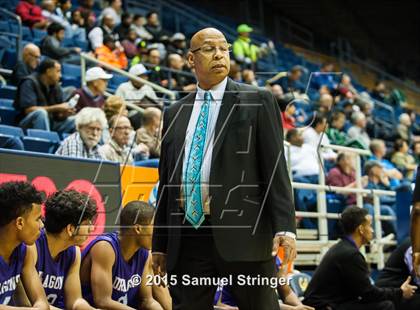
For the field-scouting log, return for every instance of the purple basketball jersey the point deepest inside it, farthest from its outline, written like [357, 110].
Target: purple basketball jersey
[52, 272]
[126, 276]
[10, 273]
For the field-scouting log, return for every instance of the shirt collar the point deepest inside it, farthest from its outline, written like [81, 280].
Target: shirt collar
[217, 91]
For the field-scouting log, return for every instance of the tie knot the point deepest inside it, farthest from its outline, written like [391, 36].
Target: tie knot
[207, 96]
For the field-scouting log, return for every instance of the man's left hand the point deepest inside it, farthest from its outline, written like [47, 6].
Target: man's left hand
[289, 246]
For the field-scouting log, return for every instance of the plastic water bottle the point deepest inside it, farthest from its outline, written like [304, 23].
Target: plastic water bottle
[73, 101]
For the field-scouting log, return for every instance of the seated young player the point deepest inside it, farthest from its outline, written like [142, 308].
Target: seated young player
[224, 299]
[116, 266]
[20, 225]
[68, 222]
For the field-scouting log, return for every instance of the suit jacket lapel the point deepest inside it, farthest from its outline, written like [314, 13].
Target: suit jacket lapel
[181, 121]
[227, 108]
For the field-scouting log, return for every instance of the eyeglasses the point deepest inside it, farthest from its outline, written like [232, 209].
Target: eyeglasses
[211, 49]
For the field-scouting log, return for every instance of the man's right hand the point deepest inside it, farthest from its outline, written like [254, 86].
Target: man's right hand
[416, 263]
[159, 264]
[408, 289]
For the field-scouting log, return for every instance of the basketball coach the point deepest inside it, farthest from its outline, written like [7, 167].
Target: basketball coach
[225, 200]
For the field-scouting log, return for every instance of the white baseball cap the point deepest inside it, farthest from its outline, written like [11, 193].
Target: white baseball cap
[97, 73]
[138, 69]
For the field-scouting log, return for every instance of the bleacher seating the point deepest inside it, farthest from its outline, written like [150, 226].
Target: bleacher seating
[12, 130]
[38, 144]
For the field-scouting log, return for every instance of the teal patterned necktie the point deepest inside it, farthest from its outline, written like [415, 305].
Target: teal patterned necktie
[194, 205]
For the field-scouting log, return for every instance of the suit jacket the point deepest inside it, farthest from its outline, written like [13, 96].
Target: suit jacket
[343, 277]
[251, 195]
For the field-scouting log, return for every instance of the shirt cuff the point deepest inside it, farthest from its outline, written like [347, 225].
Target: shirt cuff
[287, 234]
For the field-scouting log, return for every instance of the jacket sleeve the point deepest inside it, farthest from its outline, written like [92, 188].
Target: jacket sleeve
[279, 199]
[160, 231]
[356, 274]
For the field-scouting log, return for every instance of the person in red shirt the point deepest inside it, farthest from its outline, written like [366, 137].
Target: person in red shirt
[287, 117]
[31, 14]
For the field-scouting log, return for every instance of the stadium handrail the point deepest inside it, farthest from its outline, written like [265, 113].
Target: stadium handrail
[86, 57]
[18, 36]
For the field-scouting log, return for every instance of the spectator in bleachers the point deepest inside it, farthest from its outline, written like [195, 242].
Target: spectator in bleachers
[149, 132]
[403, 160]
[179, 81]
[134, 91]
[57, 14]
[51, 45]
[153, 63]
[92, 94]
[142, 51]
[124, 27]
[40, 101]
[118, 147]
[177, 44]
[341, 281]
[312, 135]
[322, 78]
[325, 103]
[138, 23]
[358, 130]
[115, 105]
[335, 131]
[416, 152]
[378, 179]
[248, 77]
[303, 157]
[87, 13]
[31, 14]
[235, 71]
[344, 175]
[106, 28]
[90, 122]
[31, 56]
[378, 149]
[379, 92]
[290, 82]
[287, 117]
[154, 27]
[112, 53]
[281, 99]
[130, 43]
[244, 51]
[404, 127]
[114, 10]
[77, 21]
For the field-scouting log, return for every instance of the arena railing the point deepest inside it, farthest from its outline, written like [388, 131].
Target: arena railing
[84, 58]
[18, 35]
[323, 243]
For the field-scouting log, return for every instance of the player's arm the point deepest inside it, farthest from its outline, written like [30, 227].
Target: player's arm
[72, 289]
[147, 302]
[103, 257]
[32, 282]
[162, 296]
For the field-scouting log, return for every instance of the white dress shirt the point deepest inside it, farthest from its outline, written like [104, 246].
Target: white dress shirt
[217, 93]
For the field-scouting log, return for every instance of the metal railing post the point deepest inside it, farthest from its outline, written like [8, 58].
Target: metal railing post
[378, 229]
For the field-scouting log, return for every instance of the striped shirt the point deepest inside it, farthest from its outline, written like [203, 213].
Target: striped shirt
[73, 146]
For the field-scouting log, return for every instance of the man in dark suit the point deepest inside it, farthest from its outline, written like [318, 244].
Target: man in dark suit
[225, 202]
[341, 281]
[415, 225]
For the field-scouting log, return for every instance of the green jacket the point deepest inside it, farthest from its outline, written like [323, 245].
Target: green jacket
[242, 48]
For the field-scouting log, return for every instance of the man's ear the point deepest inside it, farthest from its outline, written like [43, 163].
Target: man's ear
[190, 59]
[20, 223]
[70, 230]
[137, 229]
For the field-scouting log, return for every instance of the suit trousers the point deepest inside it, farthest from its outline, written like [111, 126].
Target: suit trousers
[199, 259]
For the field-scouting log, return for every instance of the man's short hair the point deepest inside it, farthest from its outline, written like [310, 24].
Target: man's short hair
[149, 114]
[369, 165]
[54, 28]
[291, 134]
[46, 64]
[337, 115]
[151, 13]
[319, 119]
[16, 199]
[351, 218]
[375, 144]
[67, 207]
[136, 212]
